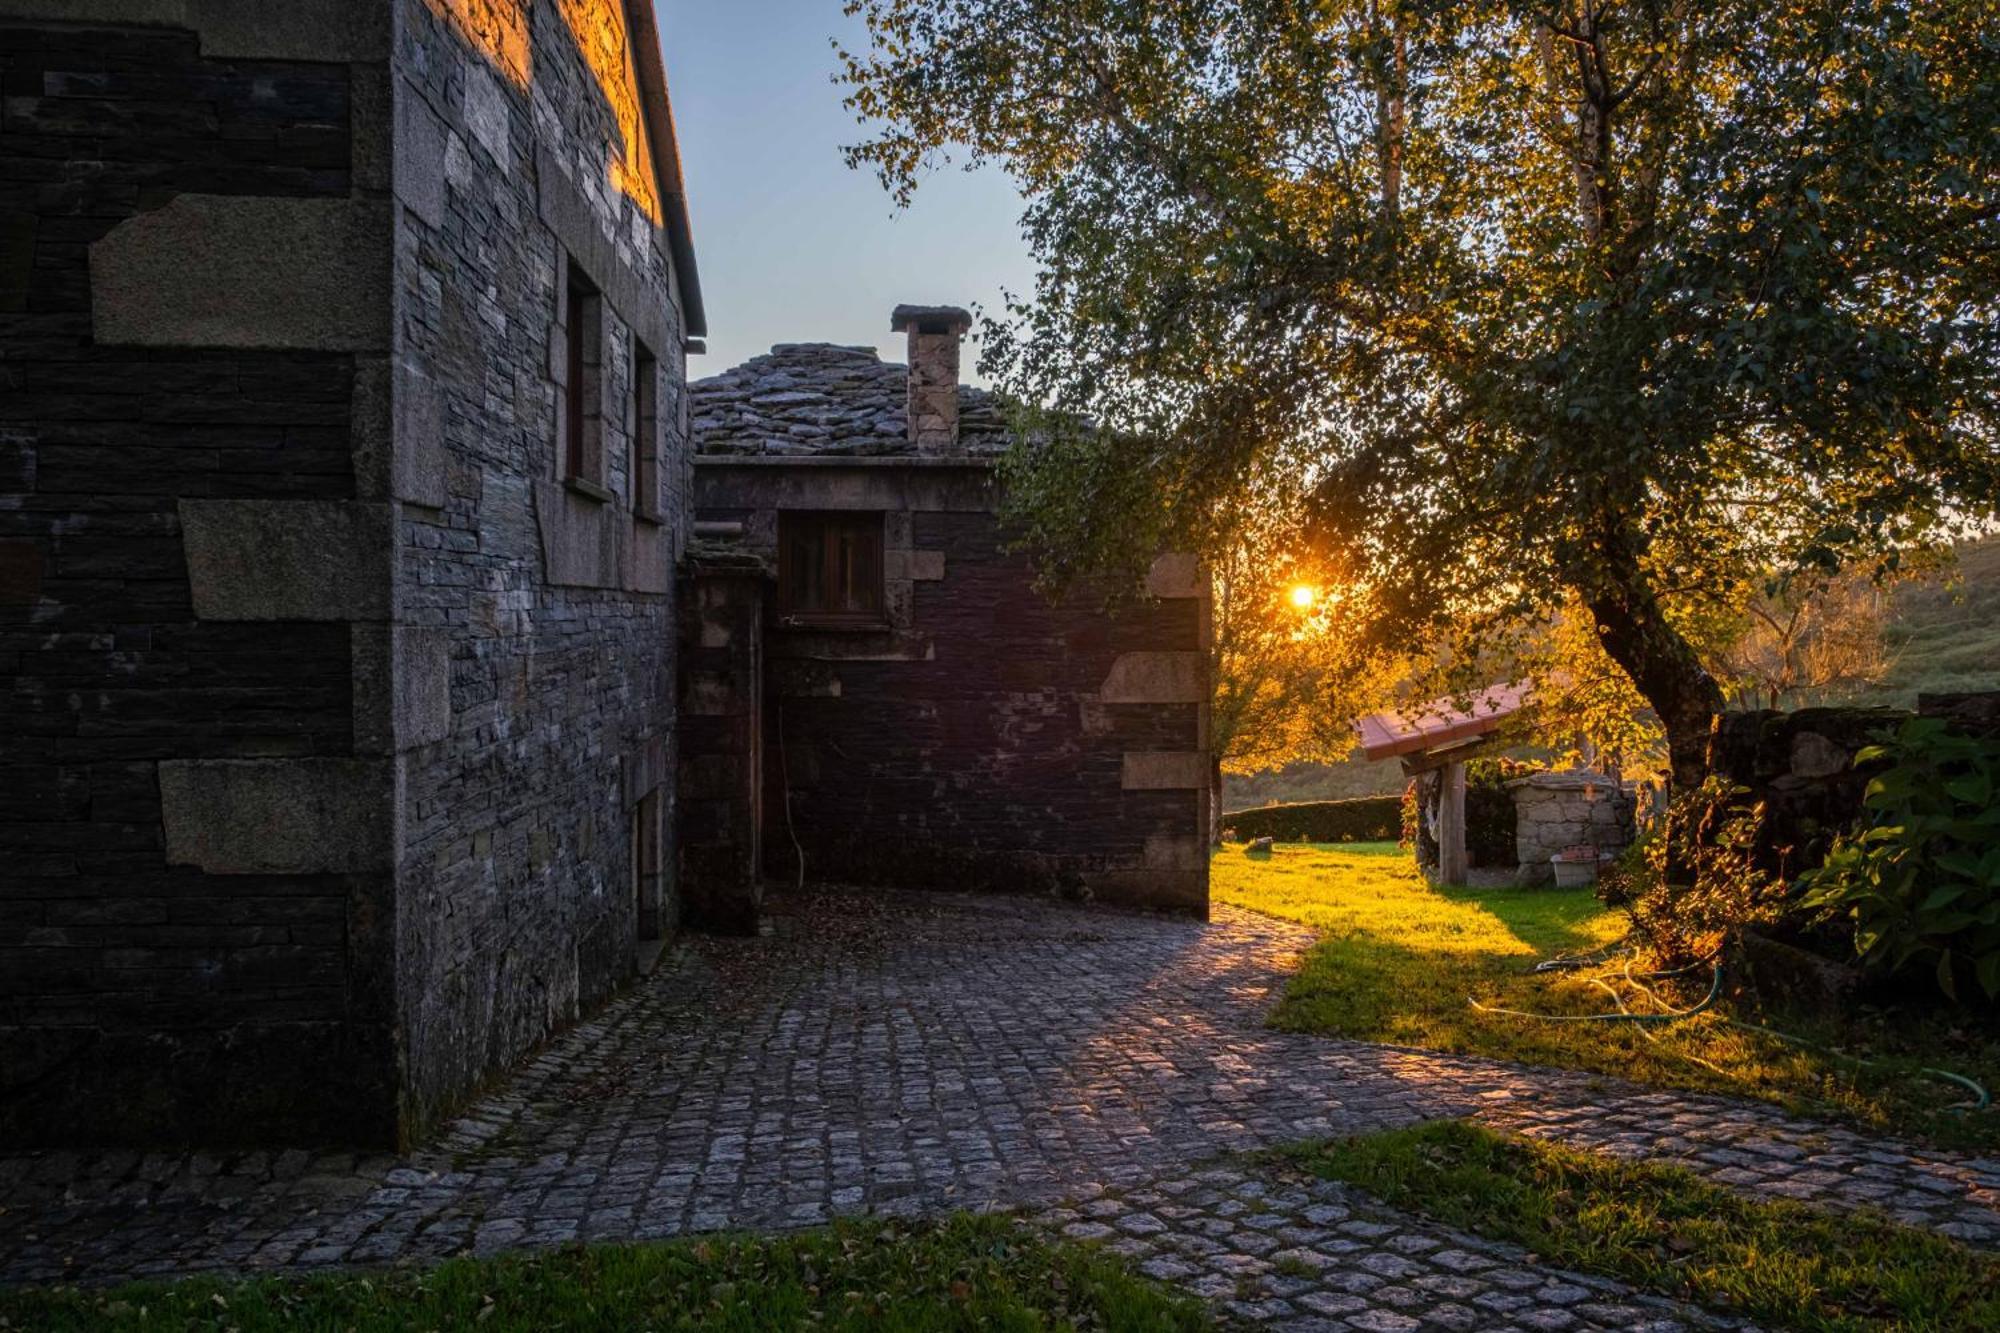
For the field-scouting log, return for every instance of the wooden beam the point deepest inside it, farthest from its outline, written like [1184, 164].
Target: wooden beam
[1452, 862]
[1430, 761]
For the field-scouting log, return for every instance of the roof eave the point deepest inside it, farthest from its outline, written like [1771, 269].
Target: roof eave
[667, 163]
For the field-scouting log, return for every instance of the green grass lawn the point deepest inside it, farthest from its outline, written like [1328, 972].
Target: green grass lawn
[963, 1273]
[1780, 1263]
[1398, 959]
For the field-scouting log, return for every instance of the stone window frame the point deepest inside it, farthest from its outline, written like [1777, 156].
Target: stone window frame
[792, 617]
[580, 320]
[645, 435]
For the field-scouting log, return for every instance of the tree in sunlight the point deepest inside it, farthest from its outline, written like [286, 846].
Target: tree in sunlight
[1577, 309]
[1290, 673]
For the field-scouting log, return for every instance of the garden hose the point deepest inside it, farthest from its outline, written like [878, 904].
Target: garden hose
[1982, 1099]
[1672, 1016]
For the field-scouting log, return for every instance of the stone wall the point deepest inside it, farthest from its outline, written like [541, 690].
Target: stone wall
[196, 819]
[339, 725]
[1558, 810]
[983, 738]
[547, 597]
[1801, 766]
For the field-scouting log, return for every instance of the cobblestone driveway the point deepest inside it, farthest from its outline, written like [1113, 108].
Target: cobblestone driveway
[917, 1054]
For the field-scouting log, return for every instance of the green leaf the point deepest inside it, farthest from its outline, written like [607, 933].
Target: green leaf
[1989, 975]
[1973, 789]
[1946, 980]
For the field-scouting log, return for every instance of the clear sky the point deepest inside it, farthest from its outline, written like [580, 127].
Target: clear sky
[793, 246]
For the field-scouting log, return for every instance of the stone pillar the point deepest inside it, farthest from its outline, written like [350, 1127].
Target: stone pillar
[721, 786]
[1453, 866]
[935, 335]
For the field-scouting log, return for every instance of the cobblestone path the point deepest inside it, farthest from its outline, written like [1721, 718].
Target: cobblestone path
[922, 1053]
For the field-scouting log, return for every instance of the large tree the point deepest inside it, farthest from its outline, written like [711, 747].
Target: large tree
[1601, 303]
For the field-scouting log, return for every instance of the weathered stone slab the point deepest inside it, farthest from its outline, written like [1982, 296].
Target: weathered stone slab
[289, 559]
[488, 114]
[419, 169]
[280, 816]
[241, 271]
[420, 458]
[1155, 678]
[1176, 851]
[1175, 576]
[913, 566]
[402, 687]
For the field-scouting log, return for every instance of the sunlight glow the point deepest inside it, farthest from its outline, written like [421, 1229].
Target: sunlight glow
[500, 31]
[1304, 595]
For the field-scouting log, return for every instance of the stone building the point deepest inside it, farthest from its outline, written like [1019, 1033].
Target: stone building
[872, 682]
[342, 465]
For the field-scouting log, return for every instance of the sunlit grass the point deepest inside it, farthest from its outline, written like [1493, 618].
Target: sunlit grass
[962, 1273]
[1780, 1263]
[1398, 961]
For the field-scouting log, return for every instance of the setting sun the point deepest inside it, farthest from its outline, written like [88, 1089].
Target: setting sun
[1304, 596]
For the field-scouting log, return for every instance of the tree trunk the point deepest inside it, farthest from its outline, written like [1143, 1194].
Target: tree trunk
[1668, 674]
[1666, 670]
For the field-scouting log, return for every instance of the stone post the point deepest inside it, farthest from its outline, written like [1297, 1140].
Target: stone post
[721, 786]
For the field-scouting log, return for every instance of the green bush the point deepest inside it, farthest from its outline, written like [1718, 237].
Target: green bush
[1712, 832]
[1363, 819]
[1918, 878]
[1489, 811]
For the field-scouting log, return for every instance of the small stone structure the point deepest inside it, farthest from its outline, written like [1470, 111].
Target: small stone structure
[1557, 810]
[945, 725]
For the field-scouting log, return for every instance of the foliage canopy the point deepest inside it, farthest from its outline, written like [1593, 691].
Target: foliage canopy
[1610, 303]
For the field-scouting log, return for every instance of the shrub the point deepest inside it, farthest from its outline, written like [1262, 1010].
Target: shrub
[1362, 819]
[1714, 829]
[1489, 811]
[1918, 878]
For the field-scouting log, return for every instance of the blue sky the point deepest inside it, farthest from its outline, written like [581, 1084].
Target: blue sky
[792, 246]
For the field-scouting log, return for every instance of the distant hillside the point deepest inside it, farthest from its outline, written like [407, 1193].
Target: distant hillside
[1945, 637]
[1313, 782]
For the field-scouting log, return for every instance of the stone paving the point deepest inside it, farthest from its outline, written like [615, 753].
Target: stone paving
[1307, 1254]
[911, 1054]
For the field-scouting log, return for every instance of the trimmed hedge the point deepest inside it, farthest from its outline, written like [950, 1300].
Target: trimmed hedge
[1362, 819]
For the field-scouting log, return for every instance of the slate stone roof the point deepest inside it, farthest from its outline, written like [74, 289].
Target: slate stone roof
[818, 399]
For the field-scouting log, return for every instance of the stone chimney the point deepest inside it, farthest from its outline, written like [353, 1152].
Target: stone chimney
[935, 334]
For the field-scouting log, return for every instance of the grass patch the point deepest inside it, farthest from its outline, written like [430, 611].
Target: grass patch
[1398, 958]
[1661, 1228]
[962, 1273]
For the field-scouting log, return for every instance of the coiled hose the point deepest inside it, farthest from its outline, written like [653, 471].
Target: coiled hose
[1981, 1098]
